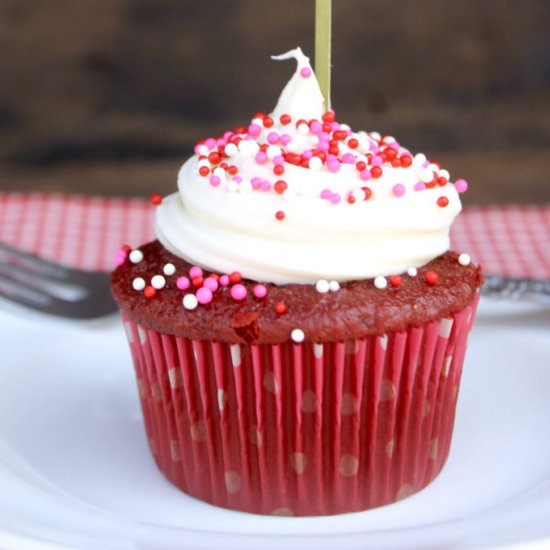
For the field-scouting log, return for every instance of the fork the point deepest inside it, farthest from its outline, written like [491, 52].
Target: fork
[52, 288]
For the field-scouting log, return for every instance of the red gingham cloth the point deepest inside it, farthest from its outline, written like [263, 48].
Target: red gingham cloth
[86, 232]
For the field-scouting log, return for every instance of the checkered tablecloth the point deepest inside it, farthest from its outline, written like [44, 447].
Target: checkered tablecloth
[86, 232]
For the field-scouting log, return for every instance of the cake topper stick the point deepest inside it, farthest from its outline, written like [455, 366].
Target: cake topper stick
[323, 16]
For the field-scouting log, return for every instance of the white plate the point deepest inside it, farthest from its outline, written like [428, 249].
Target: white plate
[75, 470]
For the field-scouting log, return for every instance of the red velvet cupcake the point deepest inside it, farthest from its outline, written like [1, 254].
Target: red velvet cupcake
[298, 330]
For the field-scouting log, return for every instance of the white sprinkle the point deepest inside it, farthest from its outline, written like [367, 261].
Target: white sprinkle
[464, 259]
[315, 163]
[203, 162]
[253, 147]
[412, 271]
[220, 172]
[380, 282]
[136, 256]
[389, 139]
[258, 121]
[231, 150]
[245, 187]
[158, 282]
[297, 335]
[292, 146]
[419, 158]
[138, 283]
[334, 286]
[243, 144]
[202, 150]
[322, 286]
[375, 135]
[303, 129]
[434, 167]
[345, 127]
[426, 175]
[444, 174]
[190, 301]
[315, 140]
[169, 269]
[273, 151]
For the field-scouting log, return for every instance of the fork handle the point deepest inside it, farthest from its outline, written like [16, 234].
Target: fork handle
[517, 288]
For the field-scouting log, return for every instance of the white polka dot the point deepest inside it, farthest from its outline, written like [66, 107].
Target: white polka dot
[389, 448]
[142, 388]
[432, 453]
[138, 283]
[198, 431]
[309, 402]
[318, 350]
[349, 405]
[387, 390]
[142, 334]
[405, 491]
[348, 465]
[426, 408]
[412, 272]
[222, 399]
[235, 355]
[169, 269]
[232, 482]
[464, 259]
[158, 282]
[129, 333]
[270, 382]
[380, 282]
[297, 335]
[156, 392]
[255, 436]
[136, 256]
[383, 340]
[190, 301]
[447, 365]
[298, 462]
[322, 286]
[175, 377]
[445, 327]
[175, 453]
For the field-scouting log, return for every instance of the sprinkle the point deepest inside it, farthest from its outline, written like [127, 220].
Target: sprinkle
[305, 72]
[155, 199]
[326, 194]
[261, 158]
[444, 174]
[245, 187]
[333, 165]
[215, 181]
[464, 259]
[190, 301]
[297, 335]
[398, 190]
[353, 143]
[426, 175]
[196, 271]
[238, 292]
[396, 280]
[303, 129]
[432, 278]
[120, 257]
[280, 308]
[376, 172]
[335, 198]
[334, 286]
[348, 158]
[322, 286]
[380, 282]
[365, 175]
[406, 160]
[254, 130]
[412, 272]
[197, 282]
[136, 256]
[315, 163]
[280, 186]
[273, 151]
[420, 186]
[461, 185]
[224, 280]
[169, 269]
[158, 282]
[268, 122]
[235, 277]
[419, 158]
[260, 291]
[442, 202]
[138, 284]
[214, 157]
[279, 170]
[183, 283]
[204, 295]
[285, 119]
[211, 284]
[279, 215]
[149, 292]
[231, 150]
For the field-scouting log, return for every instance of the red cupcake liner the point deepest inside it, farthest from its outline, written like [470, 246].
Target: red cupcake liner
[301, 429]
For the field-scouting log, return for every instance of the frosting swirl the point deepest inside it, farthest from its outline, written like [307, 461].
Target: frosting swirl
[296, 197]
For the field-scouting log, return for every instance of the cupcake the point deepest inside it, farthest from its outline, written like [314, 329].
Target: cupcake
[298, 329]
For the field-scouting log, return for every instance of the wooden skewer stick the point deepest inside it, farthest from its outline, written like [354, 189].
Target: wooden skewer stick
[323, 24]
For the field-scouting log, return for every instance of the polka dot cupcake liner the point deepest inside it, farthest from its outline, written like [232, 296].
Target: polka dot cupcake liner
[301, 429]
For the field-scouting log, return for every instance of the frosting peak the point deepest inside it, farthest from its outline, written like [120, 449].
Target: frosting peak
[296, 197]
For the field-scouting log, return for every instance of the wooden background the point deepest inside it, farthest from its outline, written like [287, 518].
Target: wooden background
[109, 96]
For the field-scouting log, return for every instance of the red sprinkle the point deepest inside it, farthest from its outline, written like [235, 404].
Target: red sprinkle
[235, 277]
[280, 308]
[406, 160]
[432, 278]
[360, 166]
[126, 247]
[442, 201]
[155, 199]
[442, 181]
[197, 281]
[280, 186]
[285, 119]
[232, 170]
[368, 193]
[376, 172]
[214, 157]
[150, 291]
[204, 171]
[279, 170]
[396, 280]
[268, 122]
[328, 116]
[353, 143]
[280, 215]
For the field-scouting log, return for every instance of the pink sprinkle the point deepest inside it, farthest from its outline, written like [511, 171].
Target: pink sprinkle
[183, 283]
[256, 182]
[316, 127]
[398, 190]
[120, 257]
[307, 154]
[211, 284]
[377, 161]
[273, 138]
[204, 295]
[305, 72]
[335, 198]
[334, 126]
[260, 291]
[323, 145]
[285, 139]
[224, 280]
[261, 158]
[265, 186]
[221, 141]
[238, 292]
[195, 271]
[348, 158]
[227, 135]
[333, 165]
[373, 147]
[215, 181]
[198, 148]
[365, 174]
[254, 130]
[278, 160]
[210, 143]
[461, 185]
[237, 179]
[326, 194]
[420, 186]
[394, 145]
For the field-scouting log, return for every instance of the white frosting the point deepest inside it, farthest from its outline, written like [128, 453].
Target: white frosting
[231, 227]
